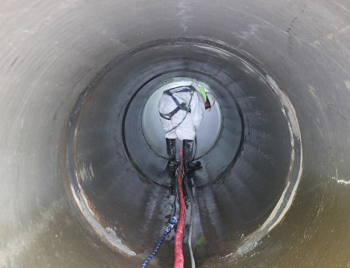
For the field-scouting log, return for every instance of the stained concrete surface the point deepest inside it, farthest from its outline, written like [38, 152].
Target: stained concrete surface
[52, 53]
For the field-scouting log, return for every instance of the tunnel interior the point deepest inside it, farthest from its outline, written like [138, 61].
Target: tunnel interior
[153, 131]
[248, 190]
[84, 177]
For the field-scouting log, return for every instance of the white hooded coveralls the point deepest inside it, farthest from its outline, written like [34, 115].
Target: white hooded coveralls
[187, 129]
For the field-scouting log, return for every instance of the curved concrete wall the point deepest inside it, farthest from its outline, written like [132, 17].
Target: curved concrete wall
[52, 53]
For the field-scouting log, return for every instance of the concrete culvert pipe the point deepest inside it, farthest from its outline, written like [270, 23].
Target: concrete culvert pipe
[83, 158]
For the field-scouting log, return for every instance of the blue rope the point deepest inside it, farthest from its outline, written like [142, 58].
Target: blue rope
[167, 230]
[183, 119]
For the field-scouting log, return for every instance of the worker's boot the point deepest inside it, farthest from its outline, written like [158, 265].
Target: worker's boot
[171, 151]
[188, 151]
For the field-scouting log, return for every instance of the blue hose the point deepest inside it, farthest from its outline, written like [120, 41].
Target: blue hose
[167, 230]
[183, 119]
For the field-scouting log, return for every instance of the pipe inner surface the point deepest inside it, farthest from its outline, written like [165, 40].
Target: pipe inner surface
[82, 186]
[245, 175]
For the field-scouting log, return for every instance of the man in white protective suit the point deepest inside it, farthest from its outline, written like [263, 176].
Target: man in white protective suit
[181, 112]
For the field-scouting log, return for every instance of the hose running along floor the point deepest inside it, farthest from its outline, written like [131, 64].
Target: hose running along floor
[83, 154]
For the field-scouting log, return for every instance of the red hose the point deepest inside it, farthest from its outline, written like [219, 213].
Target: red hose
[179, 257]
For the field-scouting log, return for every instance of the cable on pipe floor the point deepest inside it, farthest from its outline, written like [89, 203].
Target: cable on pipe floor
[175, 195]
[189, 193]
[179, 258]
[167, 230]
[171, 225]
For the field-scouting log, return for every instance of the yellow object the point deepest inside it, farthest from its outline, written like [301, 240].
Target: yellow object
[204, 94]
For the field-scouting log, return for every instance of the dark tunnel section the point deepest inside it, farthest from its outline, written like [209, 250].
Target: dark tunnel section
[243, 175]
[82, 187]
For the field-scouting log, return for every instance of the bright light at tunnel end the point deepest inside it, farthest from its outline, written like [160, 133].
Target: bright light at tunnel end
[154, 132]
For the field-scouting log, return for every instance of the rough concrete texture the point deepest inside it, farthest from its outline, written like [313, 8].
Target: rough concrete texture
[74, 190]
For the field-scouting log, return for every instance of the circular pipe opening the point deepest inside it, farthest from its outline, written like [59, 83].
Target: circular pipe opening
[50, 52]
[152, 129]
[245, 166]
